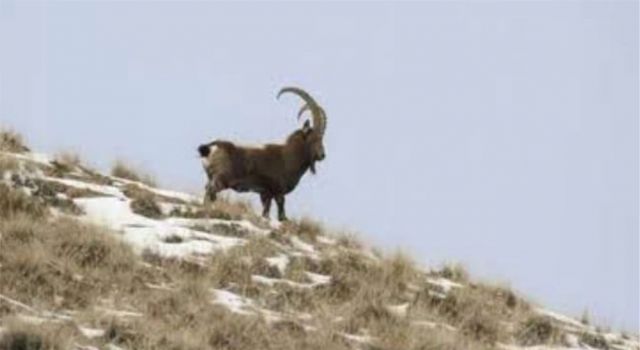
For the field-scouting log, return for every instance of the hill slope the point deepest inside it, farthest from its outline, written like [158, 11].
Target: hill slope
[89, 261]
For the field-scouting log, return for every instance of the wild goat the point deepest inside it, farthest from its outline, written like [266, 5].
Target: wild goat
[272, 170]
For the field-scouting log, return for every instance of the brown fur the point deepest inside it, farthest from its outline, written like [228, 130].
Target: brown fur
[273, 170]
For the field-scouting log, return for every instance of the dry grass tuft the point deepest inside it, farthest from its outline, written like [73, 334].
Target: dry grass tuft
[58, 263]
[306, 229]
[482, 326]
[25, 336]
[455, 272]
[57, 195]
[14, 202]
[125, 171]
[538, 330]
[233, 209]
[192, 212]
[477, 310]
[146, 206]
[8, 165]
[11, 141]
[64, 163]
[597, 341]
[143, 202]
[235, 267]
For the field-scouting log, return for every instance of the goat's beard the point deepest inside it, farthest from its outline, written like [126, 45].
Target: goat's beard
[312, 167]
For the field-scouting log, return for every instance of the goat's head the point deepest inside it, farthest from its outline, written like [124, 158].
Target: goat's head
[313, 135]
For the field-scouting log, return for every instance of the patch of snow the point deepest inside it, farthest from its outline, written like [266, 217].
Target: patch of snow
[280, 262]
[119, 313]
[145, 234]
[572, 340]
[318, 279]
[32, 157]
[167, 208]
[244, 224]
[244, 306]
[185, 197]
[275, 224]
[444, 283]
[232, 301]
[400, 310]
[300, 245]
[561, 318]
[432, 325]
[160, 287]
[271, 281]
[104, 189]
[326, 240]
[361, 339]
[436, 295]
[91, 332]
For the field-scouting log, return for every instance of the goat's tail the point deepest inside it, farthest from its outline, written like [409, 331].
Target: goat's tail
[205, 149]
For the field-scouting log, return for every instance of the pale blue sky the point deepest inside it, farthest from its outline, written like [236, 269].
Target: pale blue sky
[503, 135]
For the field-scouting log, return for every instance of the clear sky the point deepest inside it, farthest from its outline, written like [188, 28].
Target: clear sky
[503, 135]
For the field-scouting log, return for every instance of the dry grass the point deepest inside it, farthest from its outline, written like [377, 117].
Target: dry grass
[234, 268]
[8, 165]
[455, 272]
[13, 202]
[538, 330]
[146, 206]
[477, 310]
[143, 202]
[64, 163]
[58, 264]
[597, 341]
[24, 336]
[194, 212]
[11, 141]
[58, 195]
[306, 228]
[125, 171]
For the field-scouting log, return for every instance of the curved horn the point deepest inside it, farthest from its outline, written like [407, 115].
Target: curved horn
[302, 110]
[319, 116]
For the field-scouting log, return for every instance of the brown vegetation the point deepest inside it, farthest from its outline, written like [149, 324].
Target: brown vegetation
[125, 171]
[11, 141]
[54, 264]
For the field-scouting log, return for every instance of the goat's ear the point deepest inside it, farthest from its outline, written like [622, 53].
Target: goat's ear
[306, 128]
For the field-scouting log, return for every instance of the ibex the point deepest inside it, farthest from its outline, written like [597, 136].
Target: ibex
[272, 170]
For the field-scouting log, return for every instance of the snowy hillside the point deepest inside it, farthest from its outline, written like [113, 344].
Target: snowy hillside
[90, 261]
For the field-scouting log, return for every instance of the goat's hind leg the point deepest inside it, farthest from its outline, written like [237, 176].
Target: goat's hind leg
[282, 216]
[266, 198]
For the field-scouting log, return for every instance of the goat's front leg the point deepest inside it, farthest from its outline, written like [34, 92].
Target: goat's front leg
[211, 190]
[280, 202]
[266, 204]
